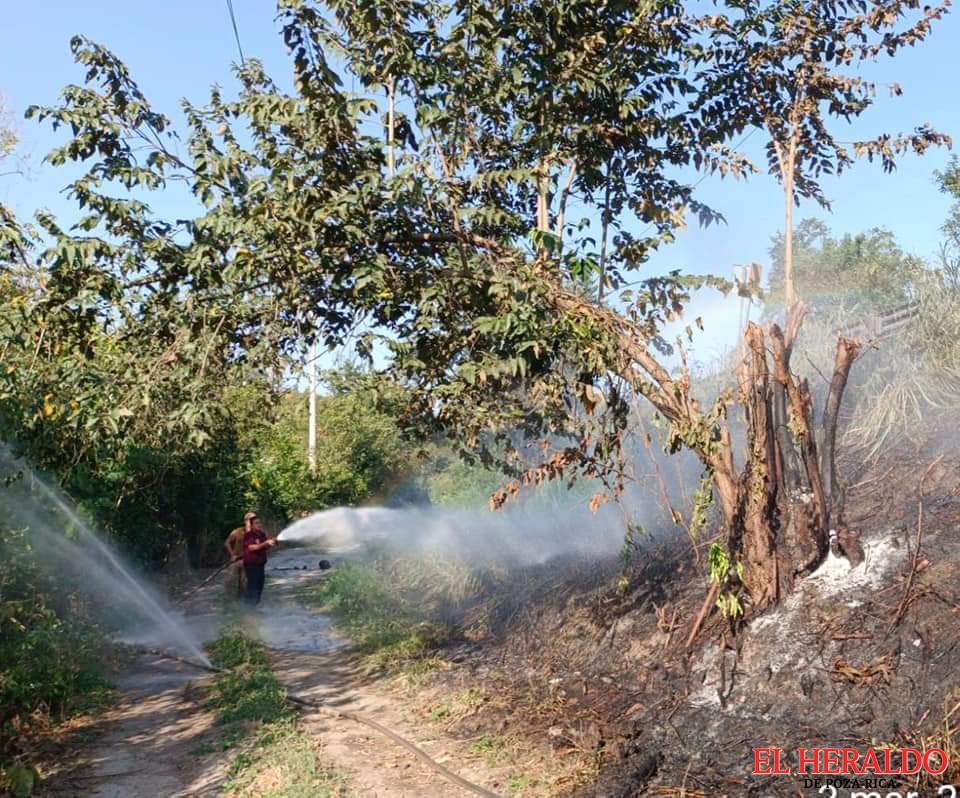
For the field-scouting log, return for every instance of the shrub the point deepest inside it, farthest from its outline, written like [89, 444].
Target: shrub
[50, 649]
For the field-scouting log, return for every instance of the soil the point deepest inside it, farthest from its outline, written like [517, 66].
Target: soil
[150, 743]
[852, 658]
[158, 739]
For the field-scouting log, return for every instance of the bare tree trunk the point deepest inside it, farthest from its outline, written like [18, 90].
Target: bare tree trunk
[605, 227]
[847, 352]
[750, 532]
[787, 167]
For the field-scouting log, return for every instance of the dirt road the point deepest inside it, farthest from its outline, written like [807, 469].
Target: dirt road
[160, 740]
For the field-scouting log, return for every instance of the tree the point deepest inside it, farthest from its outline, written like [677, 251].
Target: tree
[949, 183]
[845, 278]
[782, 65]
[361, 453]
[451, 242]
[8, 137]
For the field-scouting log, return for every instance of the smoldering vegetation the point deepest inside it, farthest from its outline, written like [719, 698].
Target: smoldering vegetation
[488, 571]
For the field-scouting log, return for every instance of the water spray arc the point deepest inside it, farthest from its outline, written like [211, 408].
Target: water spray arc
[69, 547]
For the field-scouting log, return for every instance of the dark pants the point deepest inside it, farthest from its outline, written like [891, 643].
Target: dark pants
[255, 579]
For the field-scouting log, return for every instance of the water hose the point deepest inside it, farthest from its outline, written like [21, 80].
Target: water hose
[204, 583]
[339, 714]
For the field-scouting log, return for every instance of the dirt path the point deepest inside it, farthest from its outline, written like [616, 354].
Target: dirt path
[376, 766]
[151, 743]
[313, 662]
[159, 740]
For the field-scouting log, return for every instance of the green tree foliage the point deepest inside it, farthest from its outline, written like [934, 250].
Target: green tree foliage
[360, 453]
[305, 235]
[50, 651]
[907, 378]
[949, 183]
[449, 242]
[847, 277]
[8, 137]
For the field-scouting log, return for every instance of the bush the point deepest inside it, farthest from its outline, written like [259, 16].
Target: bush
[384, 625]
[50, 650]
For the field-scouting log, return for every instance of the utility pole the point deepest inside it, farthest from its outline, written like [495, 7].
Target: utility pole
[391, 106]
[312, 423]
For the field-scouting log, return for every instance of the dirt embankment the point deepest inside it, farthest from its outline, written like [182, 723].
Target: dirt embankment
[856, 657]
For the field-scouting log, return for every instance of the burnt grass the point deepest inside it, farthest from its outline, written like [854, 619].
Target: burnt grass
[608, 677]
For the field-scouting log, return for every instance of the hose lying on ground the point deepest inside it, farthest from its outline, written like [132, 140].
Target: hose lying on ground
[339, 714]
[204, 583]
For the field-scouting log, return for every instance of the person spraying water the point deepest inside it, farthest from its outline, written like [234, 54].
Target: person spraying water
[256, 544]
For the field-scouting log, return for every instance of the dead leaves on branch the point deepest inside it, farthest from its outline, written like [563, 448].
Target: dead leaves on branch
[867, 675]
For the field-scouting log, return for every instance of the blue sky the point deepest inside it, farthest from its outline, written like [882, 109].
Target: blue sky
[178, 49]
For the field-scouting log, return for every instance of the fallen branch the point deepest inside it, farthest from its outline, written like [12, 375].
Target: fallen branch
[707, 603]
[872, 480]
[916, 551]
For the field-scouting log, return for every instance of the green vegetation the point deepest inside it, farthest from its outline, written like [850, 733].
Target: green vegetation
[845, 278]
[361, 453]
[146, 361]
[283, 761]
[522, 785]
[247, 691]
[51, 651]
[444, 247]
[459, 705]
[910, 378]
[275, 756]
[449, 481]
[370, 608]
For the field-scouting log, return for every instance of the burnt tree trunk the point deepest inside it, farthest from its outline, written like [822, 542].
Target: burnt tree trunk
[847, 352]
[777, 509]
[753, 531]
[787, 495]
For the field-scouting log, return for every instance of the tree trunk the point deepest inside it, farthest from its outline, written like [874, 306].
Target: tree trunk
[751, 532]
[778, 508]
[787, 167]
[391, 107]
[847, 352]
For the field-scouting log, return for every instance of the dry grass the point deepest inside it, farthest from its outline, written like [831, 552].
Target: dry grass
[945, 735]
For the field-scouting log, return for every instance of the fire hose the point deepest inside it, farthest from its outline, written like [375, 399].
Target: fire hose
[205, 582]
[339, 714]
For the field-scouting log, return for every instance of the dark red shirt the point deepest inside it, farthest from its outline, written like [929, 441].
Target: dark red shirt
[258, 557]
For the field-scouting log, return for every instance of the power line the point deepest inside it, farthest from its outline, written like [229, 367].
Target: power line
[236, 33]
